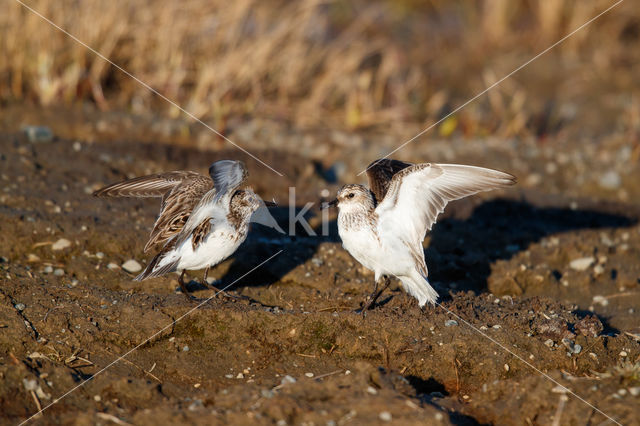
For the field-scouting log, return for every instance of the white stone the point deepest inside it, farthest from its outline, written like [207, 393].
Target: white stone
[385, 416]
[582, 263]
[601, 300]
[61, 244]
[131, 266]
[598, 270]
[610, 180]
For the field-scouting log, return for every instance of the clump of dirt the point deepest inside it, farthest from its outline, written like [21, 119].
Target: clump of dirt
[523, 333]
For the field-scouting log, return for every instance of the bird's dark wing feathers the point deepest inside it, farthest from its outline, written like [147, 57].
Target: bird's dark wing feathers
[227, 175]
[380, 173]
[156, 185]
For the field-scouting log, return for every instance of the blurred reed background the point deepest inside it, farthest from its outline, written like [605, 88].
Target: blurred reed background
[349, 64]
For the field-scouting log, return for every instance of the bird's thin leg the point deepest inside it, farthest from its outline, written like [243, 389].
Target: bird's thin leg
[371, 300]
[183, 286]
[204, 277]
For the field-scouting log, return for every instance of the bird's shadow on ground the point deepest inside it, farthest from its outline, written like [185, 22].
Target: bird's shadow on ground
[463, 244]
[461, 251]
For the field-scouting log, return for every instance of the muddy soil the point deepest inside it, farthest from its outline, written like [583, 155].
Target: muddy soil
[537, 322]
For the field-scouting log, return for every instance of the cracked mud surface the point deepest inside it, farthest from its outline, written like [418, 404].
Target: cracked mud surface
[293, 348]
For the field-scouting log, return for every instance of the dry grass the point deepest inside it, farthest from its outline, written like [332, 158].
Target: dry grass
[313, 63]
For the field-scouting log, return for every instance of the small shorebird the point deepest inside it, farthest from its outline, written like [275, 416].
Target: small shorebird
[383, 227]
[202, 220]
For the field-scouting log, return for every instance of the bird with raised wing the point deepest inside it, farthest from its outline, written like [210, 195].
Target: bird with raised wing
[383, 226]
[202, 220]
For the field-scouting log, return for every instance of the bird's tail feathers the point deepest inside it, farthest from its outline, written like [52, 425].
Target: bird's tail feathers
[154, 270]
[418, 286]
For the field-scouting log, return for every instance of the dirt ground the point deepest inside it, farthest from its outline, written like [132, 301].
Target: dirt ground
[539, 285]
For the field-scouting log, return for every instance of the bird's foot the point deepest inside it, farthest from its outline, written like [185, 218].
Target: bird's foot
[368, 303]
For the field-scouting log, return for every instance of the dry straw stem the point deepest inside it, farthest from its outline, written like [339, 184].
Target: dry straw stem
[311, 62]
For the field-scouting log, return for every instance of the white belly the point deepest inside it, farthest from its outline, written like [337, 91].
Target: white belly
[364, 246]
[218, 246]
[383, 253]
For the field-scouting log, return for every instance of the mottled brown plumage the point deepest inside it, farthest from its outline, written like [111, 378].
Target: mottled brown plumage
[202, 220]
[181, 191]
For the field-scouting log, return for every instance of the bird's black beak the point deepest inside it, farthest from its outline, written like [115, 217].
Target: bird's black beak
[331, 203]
[270, 203]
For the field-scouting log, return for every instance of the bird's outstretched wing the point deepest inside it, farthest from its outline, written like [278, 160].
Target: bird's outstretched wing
[147, 186]
[213, 206]
[419, 193]
[180, 191]
[380, 172]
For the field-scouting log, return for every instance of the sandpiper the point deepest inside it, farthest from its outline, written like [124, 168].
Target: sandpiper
[383, 227]
[202, 219]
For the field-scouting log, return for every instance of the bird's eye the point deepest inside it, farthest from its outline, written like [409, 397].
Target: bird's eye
[351, 195]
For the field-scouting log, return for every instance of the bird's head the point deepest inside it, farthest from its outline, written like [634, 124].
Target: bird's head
[245, 201]
[352, 197]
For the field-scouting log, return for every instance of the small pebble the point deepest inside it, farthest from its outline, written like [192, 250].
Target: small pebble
[240, 376]
[623, 353]
[610, 180]
[41, 134]
[113, 266]
[308, 374]
[549, 343]
[287, 380]
[634, 391]
[131, 266]
[582, 263]
[372, 390]
[506, 367]
[61, 244]
[598, 270]
[99, 255]
[449, 323]
[385, 416]
[267, 393]
[600, 300]
[19, 306]
[185, 349]
[195, 405]
[58, 272]
[48, 269]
